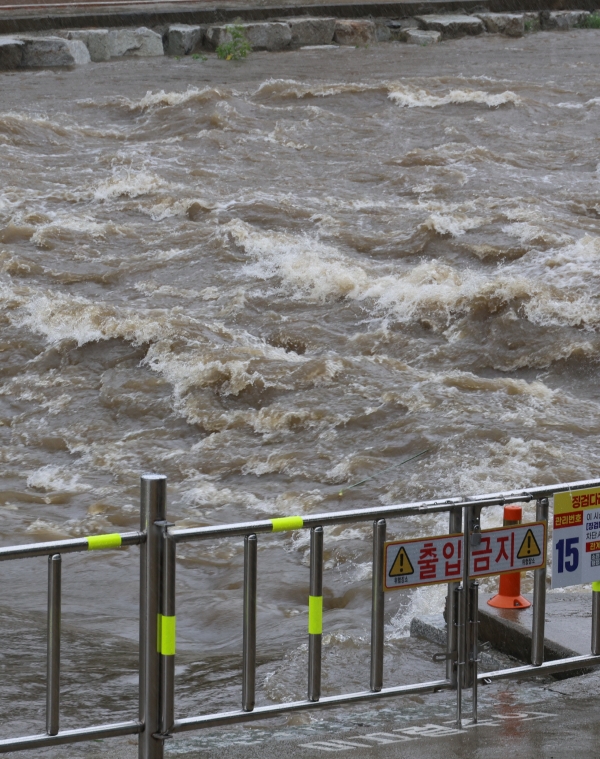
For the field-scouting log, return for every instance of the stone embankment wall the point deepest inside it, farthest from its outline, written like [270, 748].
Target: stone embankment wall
[77, 47]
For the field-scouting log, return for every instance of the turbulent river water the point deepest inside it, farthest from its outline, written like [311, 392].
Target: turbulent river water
[268, 281]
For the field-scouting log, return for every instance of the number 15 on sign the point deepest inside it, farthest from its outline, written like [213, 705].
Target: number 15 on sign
[576, 538]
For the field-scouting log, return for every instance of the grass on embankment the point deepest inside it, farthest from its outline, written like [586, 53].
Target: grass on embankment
[590, 22]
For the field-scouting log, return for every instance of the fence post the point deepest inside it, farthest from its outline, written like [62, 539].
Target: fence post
[153, 509]
[315, 614]
[249, 632]
[377, 606]
[167, 632]
[454, 527]
[539, 595]
[472, 620]
[53, 660]
[463, 616]
[474, 624]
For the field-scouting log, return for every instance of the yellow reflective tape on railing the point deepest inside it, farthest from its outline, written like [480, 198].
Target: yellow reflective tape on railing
[315, 615]
[165, 635]
[95, 542]
[596, 586]
[282, 524]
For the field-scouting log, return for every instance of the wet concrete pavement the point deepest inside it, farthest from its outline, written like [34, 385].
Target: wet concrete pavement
[538, 719]
[528, 720]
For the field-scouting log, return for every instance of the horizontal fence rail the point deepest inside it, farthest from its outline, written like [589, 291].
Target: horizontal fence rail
[158, 539]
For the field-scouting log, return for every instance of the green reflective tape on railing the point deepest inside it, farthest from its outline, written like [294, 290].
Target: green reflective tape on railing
[165, 635]
[95, 542]
[282, 524]
[596, 586]
[315, 615]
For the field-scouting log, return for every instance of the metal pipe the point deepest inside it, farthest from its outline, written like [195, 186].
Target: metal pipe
[471, 643]
[377, 606]
[264, 712]
[315, 614]
[547, 668]
[454, 527]
[539, 595]
[474, 592]
[167, 633]
[460, 662]
[153, 510]
[467, 643]
[463, 616]
[596, 618]
[31, 550]
[382, 512]
[93, 733]
[53, 645]
[249, 641]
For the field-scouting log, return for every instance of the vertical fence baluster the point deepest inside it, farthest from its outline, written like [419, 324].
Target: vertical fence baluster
[377, 606]
[315, 614]
[463, 613]
[460, 663]
[454, 527]
[167, 633]
[153, 509]
[249, 643]
[474, 620]
[53, 654]
[539, 595]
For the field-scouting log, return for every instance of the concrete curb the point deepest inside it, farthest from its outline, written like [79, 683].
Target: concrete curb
[509, 631]
[153, 15]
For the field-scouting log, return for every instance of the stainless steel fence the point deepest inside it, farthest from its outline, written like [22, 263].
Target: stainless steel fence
[158, 541]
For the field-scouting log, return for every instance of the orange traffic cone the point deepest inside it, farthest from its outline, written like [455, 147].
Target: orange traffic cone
[509, 594]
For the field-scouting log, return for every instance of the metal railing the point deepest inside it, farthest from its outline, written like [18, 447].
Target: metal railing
[158, 541]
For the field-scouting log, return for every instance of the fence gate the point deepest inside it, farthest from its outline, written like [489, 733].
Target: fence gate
[157, 720]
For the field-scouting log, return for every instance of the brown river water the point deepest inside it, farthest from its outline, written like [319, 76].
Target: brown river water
[269, 280]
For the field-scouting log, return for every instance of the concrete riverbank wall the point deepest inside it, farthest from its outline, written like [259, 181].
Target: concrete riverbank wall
[69, 47]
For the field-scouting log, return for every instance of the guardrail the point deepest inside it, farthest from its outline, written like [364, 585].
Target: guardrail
[157, 539]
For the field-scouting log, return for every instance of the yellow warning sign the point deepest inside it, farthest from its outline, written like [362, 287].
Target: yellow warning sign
[401, 565]
[529, 546]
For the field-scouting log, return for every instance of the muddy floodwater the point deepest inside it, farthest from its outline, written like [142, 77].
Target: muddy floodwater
[270, 280]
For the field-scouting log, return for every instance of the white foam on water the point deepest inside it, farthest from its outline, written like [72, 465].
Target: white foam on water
[204, 493]
[59, 317]
[45, 529]
[203, 365]
[292, 88]
[578, 106]
[56, 478]
[434, 290]
[130, 184]
[412, 97]
[454, 225]
[529, 233]
[164, 99]
[172, 207]
[71, 224]
[423, 601]
[401, 93]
